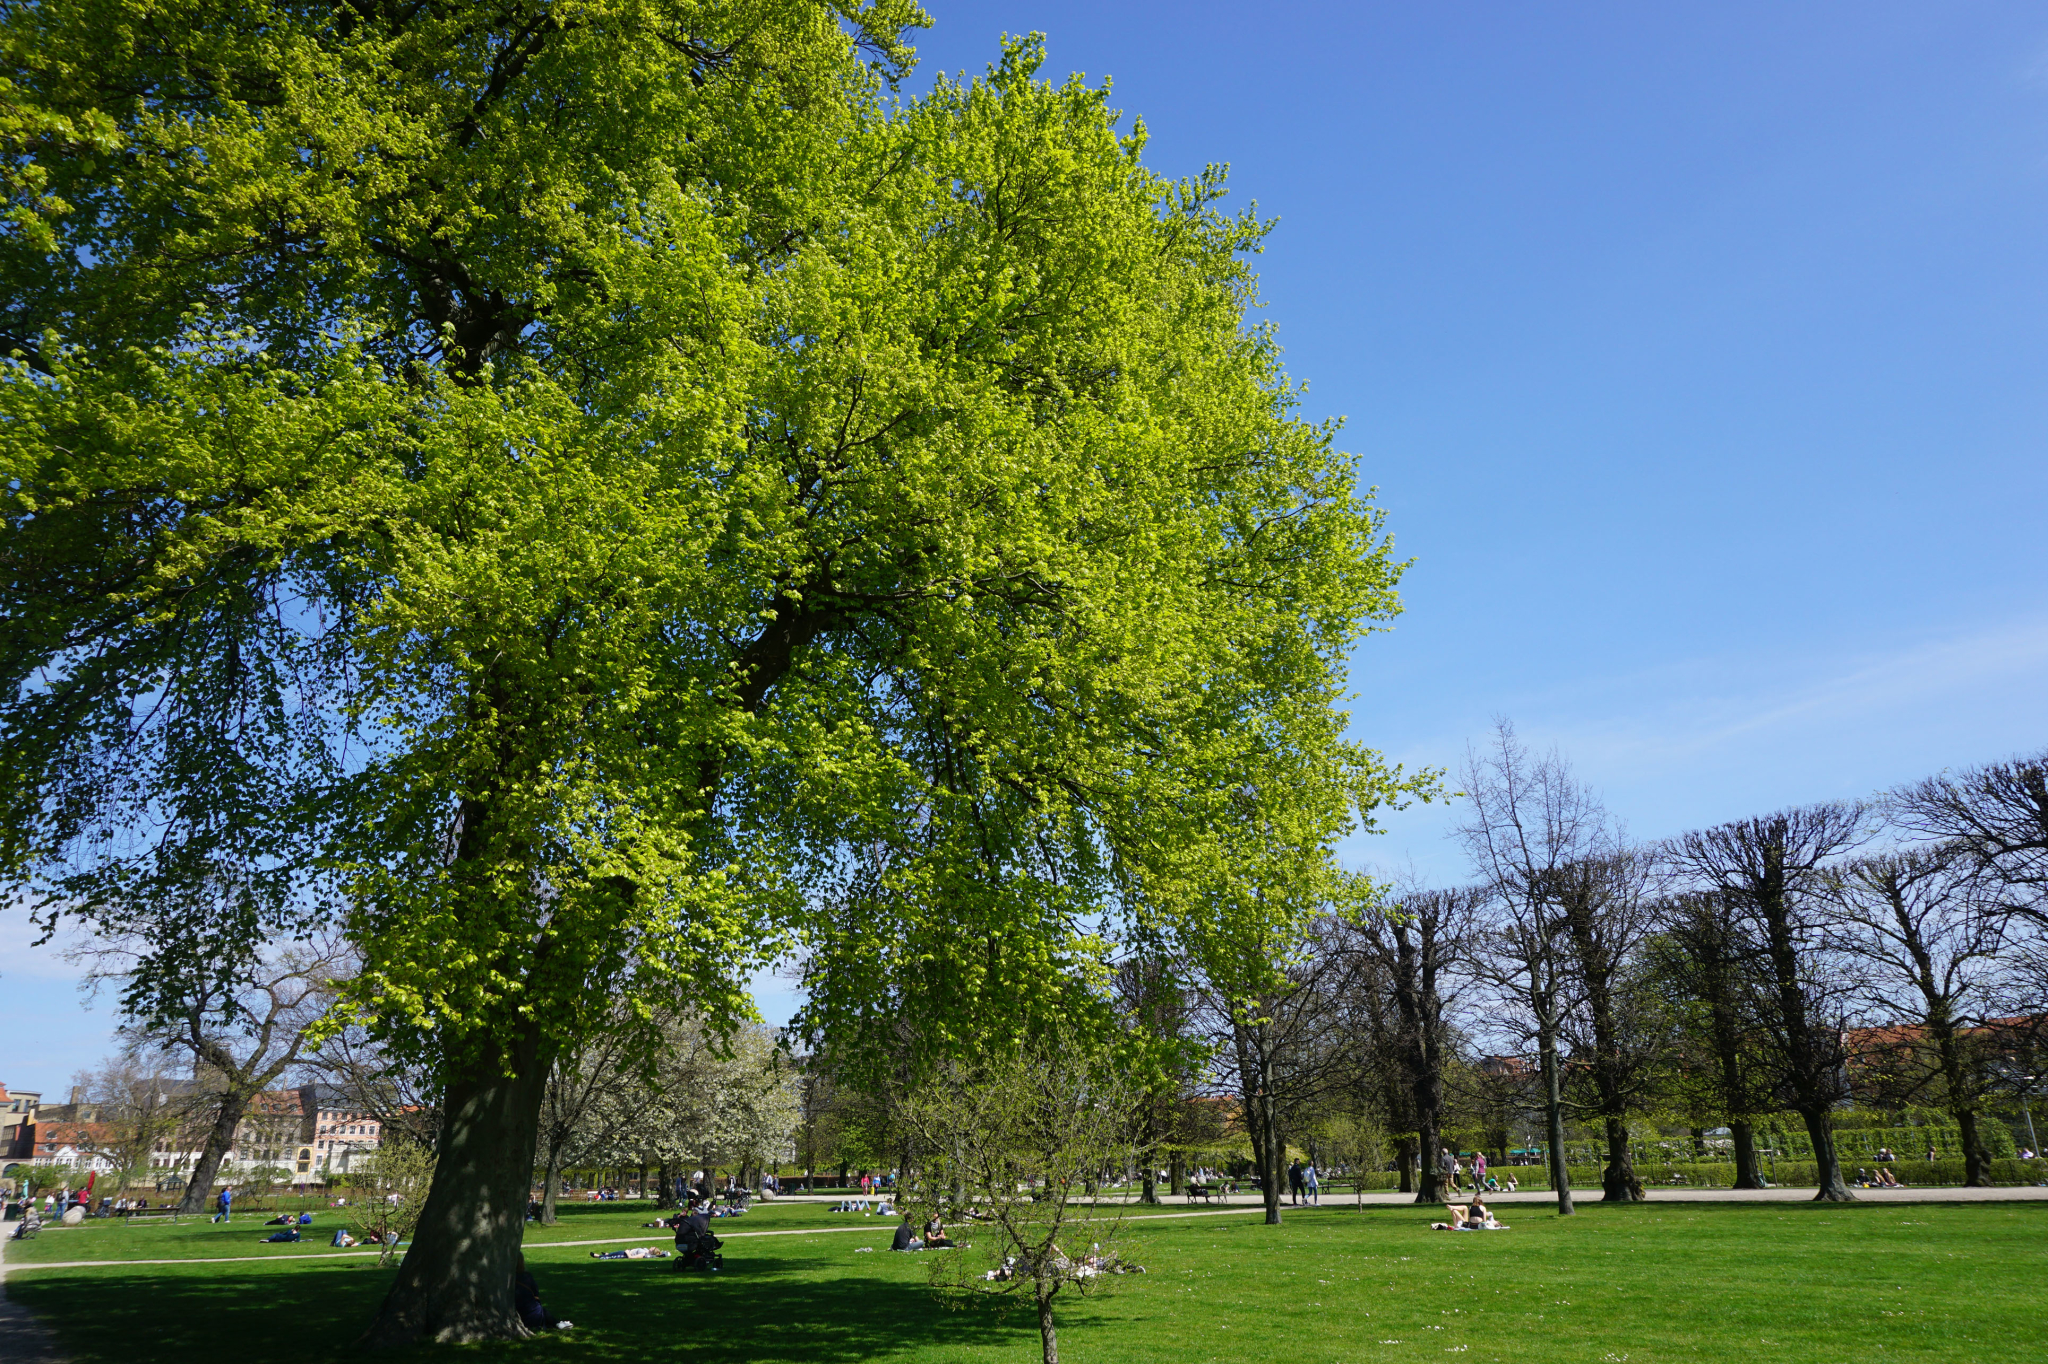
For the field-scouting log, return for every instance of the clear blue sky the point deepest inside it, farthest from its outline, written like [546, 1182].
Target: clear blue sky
[1698, 352]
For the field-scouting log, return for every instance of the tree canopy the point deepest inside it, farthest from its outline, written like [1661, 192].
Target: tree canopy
[586, 495]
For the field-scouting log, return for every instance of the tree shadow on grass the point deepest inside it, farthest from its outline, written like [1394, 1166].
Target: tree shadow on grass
[757, 1312]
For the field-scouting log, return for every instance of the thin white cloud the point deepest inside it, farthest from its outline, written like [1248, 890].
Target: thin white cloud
[1677, 719]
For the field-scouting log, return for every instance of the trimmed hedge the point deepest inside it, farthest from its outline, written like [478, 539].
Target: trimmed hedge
[1710, 1175]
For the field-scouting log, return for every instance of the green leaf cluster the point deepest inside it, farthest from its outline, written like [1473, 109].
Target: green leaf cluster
[591, 495]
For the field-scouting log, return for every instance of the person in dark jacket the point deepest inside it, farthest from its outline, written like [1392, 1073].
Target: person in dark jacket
[526, 1299]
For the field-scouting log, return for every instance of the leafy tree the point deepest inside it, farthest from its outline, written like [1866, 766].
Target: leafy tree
[543, 485]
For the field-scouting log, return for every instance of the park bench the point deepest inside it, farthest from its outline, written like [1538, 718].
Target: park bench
[169, 1210]
[1206, 1192]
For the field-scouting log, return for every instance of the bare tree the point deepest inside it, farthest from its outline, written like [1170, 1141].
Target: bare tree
[585, 1104]
[1529, 822]
[1929, 947]
[1280, 1041]
[138, 1106]
[1617, 1042]
[1413, 949]
[1774, 868]
[1708, 959]
[1997, 816]
[241, 1025]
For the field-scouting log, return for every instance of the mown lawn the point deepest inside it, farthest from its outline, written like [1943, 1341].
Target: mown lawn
[1673, 1281]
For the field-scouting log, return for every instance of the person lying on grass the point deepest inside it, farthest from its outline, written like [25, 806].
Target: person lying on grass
[630, 1253]
[288, 1234]
[1474, 1217]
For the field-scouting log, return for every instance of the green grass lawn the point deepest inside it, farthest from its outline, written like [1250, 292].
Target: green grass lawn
[1670, 1281]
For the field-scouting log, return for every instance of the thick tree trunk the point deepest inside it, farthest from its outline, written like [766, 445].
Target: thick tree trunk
[1176, 1171]
[1618, 1181]
[1553, 1121]
[1048, 1338]
[1826, 1162]
[1404, 1157]
[1431, 1187]
[1976, 1161]
[220, 1139]
[1747, 1175]
[455, 1285]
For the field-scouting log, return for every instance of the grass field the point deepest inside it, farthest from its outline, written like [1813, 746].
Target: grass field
[1654, 1282]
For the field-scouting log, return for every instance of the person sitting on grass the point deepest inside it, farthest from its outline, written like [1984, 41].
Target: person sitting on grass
[1888, 1180]
[1474, 1217]
[526, 1301]
[906, 1239]
[935, 1237]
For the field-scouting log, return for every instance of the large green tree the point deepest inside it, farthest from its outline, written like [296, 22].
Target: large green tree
[568, 489]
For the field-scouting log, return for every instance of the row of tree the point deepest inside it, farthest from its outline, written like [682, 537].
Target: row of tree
[1847, 957]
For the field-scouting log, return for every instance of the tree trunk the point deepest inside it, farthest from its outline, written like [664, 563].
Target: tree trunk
[1553, 1121]
[1176, 1171]
[1976, 1161]
[1618, 1181]
[455, 1284]
[220, 1138]
[1431, 1188]
[1747, 1175]
[1048, 1338]
[1826, 1162]
[1404, 1157]
[551, 1181]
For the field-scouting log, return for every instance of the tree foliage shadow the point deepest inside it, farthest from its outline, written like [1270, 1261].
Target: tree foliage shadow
[758, 1310]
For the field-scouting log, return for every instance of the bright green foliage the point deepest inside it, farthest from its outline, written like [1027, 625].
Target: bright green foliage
[588, 492]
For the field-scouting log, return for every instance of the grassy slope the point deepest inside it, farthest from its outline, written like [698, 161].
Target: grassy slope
[1754, 1283]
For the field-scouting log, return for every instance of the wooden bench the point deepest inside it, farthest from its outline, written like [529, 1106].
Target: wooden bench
[1206, 1192]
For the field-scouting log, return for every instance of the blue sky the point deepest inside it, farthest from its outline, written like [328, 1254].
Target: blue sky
[1697, 352]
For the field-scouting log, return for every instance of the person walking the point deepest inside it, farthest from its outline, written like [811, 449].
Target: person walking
[1312, 1184]
[1294, 1180]
[1447, 1161]
[1479, 1171]
[227, 1204]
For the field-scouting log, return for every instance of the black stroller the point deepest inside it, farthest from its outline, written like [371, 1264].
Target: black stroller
[696, 1247]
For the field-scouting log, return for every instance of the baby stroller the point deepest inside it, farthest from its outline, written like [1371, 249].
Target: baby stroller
[697, 1248]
